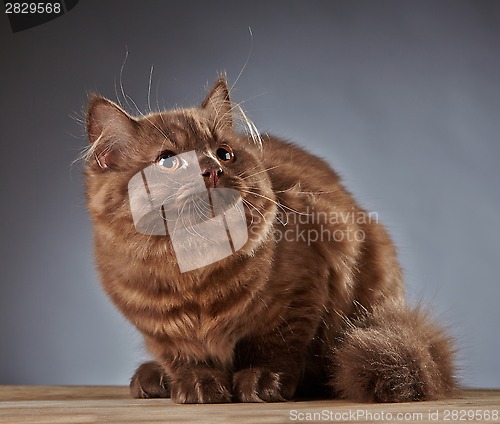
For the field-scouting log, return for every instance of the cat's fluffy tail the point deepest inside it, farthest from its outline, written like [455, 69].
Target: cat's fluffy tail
[394, 354]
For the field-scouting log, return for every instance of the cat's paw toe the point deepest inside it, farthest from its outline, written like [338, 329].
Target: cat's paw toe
[150, 381]
[262, 385]
[201, 386]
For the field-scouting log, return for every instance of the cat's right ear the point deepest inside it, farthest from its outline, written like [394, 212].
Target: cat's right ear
[110, 130]
[218, 104]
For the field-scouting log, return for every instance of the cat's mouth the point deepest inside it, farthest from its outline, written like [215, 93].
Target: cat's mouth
[199, 207]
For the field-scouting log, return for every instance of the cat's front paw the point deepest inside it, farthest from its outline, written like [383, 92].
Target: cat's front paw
[150, 381]
[262, 385]
[201, 386]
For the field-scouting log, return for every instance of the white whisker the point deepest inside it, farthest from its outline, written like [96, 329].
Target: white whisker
[149, 89]
[247, 59]
[256, 173]
[121, 77]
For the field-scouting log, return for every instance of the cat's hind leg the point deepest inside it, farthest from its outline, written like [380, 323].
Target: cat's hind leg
[394, 354]
[150, 381]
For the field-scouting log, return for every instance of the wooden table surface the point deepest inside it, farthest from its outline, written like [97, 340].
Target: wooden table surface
[112, 404]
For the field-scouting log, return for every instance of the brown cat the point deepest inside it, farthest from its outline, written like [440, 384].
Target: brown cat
[311, 299]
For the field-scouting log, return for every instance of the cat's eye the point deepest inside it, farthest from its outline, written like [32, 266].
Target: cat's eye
[168, 161]
[225, 153]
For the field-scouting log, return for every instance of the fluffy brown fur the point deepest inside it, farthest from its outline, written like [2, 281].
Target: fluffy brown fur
[281, 314]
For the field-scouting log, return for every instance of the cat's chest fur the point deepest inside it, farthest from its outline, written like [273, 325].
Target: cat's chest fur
[209, 308]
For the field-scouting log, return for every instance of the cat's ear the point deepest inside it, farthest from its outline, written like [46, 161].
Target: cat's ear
[218, 104]
[110, 130]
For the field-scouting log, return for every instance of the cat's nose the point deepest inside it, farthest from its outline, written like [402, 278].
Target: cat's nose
[213, 173]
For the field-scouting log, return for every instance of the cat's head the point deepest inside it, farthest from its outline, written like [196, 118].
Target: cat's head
[182, 166]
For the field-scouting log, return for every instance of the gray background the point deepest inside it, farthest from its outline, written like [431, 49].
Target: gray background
[402, 98]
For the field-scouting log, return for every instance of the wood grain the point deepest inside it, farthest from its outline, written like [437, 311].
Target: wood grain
[110, 404]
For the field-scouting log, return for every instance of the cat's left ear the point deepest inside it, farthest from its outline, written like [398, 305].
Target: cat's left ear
[110, 131]
[218, 104]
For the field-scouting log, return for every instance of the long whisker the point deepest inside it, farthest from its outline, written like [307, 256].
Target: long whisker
[182, 216]
[250, 206]
[247, 125]
[201, 211]
[193, 226]
[121, 76]
[275, 202]
[284, 223]
[247, 59]
[256, 209]
[127, 98]
[149, 88]
[250, 169]
[260, 172]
